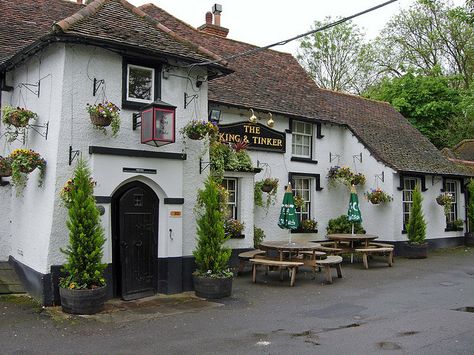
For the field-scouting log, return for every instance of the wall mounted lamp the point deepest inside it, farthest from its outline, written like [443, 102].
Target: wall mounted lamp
[253, 118]
[157, 122]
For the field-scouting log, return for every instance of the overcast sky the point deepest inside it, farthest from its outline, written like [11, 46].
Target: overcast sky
[263, 22]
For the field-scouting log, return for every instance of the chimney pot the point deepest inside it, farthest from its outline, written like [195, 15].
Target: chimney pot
[216, 10]
[79, 1]
[208, 18]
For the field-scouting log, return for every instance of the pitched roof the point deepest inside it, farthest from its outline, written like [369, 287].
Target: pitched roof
[115, 22]
[272, 81]
[464, 150]
[28, 21]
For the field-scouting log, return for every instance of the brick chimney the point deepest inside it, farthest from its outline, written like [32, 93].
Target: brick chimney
[214, 28]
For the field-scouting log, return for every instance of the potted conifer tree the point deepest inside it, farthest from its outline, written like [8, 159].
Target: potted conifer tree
[470, 213]
[212, 279]
[83, 289]
[417, 247]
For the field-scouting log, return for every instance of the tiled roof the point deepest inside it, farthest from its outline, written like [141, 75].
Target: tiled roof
[464, 150]
[24, 22]
[273, 81]
[113, 21]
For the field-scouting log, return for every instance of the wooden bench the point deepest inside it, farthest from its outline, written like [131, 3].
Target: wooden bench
[381, 245]
[331, 260]
[246, 256]
[309, 258]
[371, 250]
[329, 248]
[290, 265]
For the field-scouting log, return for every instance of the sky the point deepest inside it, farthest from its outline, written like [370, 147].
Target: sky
[262, 22]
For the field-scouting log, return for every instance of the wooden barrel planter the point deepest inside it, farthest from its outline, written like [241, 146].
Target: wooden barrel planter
[213, 288]
[99, 120]
[87, 301]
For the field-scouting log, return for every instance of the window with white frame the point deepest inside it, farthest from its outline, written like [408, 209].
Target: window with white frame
[230, 184]
[302, 188]
[451, 187]
[302, 139]
[408, 188]
[140, 84]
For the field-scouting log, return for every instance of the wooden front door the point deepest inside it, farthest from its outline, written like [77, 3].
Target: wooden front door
[136, 241]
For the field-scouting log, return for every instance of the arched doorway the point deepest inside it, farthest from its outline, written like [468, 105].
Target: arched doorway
[135, 241]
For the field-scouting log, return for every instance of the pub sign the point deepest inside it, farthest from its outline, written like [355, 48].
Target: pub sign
[256, 135]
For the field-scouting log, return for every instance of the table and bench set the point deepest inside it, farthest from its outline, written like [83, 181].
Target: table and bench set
[316, 255]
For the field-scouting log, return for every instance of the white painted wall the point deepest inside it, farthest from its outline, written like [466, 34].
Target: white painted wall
[38, 227]
[384, 220]
[31, 213]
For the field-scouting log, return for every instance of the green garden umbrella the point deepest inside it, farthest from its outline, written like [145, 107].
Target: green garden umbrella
[353, 213]
[288, 218]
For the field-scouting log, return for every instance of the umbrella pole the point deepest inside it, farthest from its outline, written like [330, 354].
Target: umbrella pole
[352, 254]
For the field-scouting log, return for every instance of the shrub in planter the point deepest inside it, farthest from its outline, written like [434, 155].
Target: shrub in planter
[376, 196]
[23, 162]
[233, 228]
[105, 114]
[416, 226]
[5, 166]
[309, 225]
[470, 213]
[212, 279]
[66, 191]
[342, 225]
[197, 130]
[84, 268]
[258, 237]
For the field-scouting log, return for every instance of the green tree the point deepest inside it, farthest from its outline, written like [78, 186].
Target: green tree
[429, 35]
[416, 226]
[428, 102]
[84, 265]
[338, 58]
[210, 254]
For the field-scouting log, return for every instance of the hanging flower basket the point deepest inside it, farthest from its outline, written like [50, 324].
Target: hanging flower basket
[344, 175]
[269, 184]
[17, 116]
[444, 199]
[197, 130]
[377, 196]
[23, 162]
[105, 114]
[99, 120]
[5, 166]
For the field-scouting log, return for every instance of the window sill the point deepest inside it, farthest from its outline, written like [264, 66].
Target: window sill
[131, 105]
[304, 160]
[450, 229]
[303, 231]
[240, 236]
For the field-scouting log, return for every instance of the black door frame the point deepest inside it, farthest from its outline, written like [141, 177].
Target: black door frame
[116, 256]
